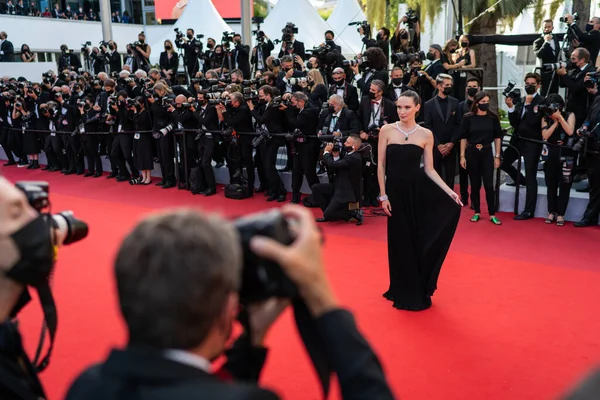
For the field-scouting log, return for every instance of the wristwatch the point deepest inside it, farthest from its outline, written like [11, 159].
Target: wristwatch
[382, 198]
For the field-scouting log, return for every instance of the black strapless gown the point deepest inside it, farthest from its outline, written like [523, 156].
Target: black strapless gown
[420, 230]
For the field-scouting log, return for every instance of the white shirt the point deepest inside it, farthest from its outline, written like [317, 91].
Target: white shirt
[375, 112]
[190, 359]
[334, 121]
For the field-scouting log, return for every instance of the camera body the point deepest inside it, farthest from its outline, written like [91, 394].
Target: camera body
[402, 59]
[575, 18]
[549, 109]
[512, 92]
[373, 130]
[263, 137]
[296, 135]
[366, 27]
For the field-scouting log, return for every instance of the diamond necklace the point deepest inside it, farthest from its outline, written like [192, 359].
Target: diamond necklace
[406, 133]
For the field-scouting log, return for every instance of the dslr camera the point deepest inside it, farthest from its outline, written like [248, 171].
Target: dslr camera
[512, 92]
[402, 59]
[575, 18]
[366, 27]
[549, 109]
[263, 137]
[411, 17]
[590, 83]
[554, 66]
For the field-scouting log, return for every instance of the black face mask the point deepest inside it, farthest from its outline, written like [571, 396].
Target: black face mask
[210, 45]
[331, 110]
[430, 56]
[309, 65]
[397, 81]
[190, 36]
[262, 101]
[589, 27]
[65, 96]
[111, 47]
[404, 36]
[464, 44]
[448, 90]
[472, 91]
[530, 89]
[167, 47]
[348, 149]
[340, 82]
[371, 95]
[379, 37]
[483, 107]
[37, 255]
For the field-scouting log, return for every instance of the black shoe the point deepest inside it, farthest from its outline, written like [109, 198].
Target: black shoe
[76, 173]
[54, 169]
[259, 189]
[583, 223]
[268, 193]
[10, 163]
[23, 163]
[281, 198]
[123, 179]
[168, 185]
[64, 171]
[69, 172]
[30, 166]
[46, 168]
[36, 165]
[97, 174]
[88, 174]
[296, 198]
[523, 216]
[585, 189]
[111, 175]
[160, 183]
[209, 192]
[358, 216]
[272, 197]
[322, 219]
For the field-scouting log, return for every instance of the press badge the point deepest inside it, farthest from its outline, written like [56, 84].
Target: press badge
[368, 163]
[136, 136]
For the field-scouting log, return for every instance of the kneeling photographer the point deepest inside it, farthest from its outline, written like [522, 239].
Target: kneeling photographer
[589, 145]
[340, 200]
[28, 243]
[218, 266]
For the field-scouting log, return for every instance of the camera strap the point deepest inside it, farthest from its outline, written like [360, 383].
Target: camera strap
[50, 324]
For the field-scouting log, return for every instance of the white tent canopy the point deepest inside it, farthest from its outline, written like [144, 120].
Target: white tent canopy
[345, 12]
[311, 27]
[202, 17]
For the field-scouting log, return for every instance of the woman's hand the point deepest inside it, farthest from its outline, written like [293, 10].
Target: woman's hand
[496, 162]
[463, 162]
[387, 207]
[455, 196]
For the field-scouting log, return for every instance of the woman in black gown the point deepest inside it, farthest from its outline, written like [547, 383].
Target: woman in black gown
[423, 211]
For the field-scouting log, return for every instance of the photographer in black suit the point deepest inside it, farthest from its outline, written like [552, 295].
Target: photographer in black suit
[578, 99]
[208, 120]
[241, 55]
[6, 48]
[441, 118]
[261, 52]
[172, 360]
[342, 87]
[340, 200]
[526, 120]
[296, 48]
[270, 117]
[374, 68]
[68, 60]
[338, 120]
[192, 51]
[303, 118]
[590, 39]
[113, 58]
[285, 83]
[547, 49]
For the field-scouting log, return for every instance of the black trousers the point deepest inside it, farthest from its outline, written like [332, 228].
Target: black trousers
[480, 164]
[463, 178]
[122, 152]
[322, 194]
[74, 152]
[206, 147]
[58, 147]
[91, 150]
[10, 141]
[593, 208]
[107, 144]
[305, 164]
[274, 183]
[50, 154]
[239, 156]
[166, 155]
[531, 154]
[446, 166]
[558, 189]
[259, 155]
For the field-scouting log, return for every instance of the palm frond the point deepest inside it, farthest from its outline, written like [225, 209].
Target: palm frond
[554, 6]
[538, 14]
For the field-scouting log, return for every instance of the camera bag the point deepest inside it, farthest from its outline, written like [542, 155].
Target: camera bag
[238, 191]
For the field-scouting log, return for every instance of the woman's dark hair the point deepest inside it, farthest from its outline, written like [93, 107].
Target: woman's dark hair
[376, 58]
[23, 47]
[478, 97]
[412, 95]
[555, 98]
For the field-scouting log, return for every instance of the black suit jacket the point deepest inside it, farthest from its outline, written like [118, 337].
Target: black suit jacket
[209, 118]
[589, 40]
[241, 54]
[390, 92]
[348, 176]
[282, 86]
[240, 119]
[445, 127]
[528, 124]
[167, 63]
[298, 49]
[350, 95]
[347, 124]
[365, 84]
[307, 120]
[114, 61]
[8, 49]
[390, 115]
[266, 49]
[272, 117]
[544, 51]
[578, 99]
[433, 70]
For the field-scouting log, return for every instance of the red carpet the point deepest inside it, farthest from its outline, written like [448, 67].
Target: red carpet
[516, 315]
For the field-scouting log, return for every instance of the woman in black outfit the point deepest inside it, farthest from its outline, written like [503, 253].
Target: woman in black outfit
[169, 62]
[26, 54]
[479, 130]
[21, 119]
[558, 129]
[314, 88]
[142, 142]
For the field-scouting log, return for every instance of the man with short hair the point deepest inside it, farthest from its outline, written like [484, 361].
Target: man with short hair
[578, 99]
[590, 39]
[396, 86]
[338, 120]
[6, 48]
[547, 49]
[341, 87]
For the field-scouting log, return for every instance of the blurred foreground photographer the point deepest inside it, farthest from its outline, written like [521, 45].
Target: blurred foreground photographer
[28, 243]
[195, 293]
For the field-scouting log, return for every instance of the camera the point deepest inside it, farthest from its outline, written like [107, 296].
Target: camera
[549, 109]
[588, 140]
[278, 101]
[297, 81]
[261, 278]
[592, 81]
[401, 59]
[510, 91]
[227, 37]
[178, 34]
[67, 228]
[249, 94]
[373, 130]
[214, 102]
[364, 25]
[575, 18]
[337, 141]
[554, 66]
[411, 16]
[297, 135]
[263, 137]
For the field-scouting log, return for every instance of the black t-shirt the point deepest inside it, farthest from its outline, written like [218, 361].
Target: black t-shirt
[480, 129]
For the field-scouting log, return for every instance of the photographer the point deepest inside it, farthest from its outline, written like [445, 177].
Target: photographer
[173, 359]
[340, 201]
[183, 114]
[192, 51]
[90, 121]
[68, 119]
[396, 86]
[590, 39]
[168, 63]
[547, 49]
[163, 127]
[381, 41]
[303, 120]
[97, 64]
[237, 116]
[375, 111]
[341, 87]
[68, 59]
[402, 41]
[374, 67]
[113, 58]
[241, 55]
[289, 78]
[141, 52]
[338, 120]
[121, 150]
[208, 120]
[261, 51]
[578, 99]
[143, 142]
[291, 47]
[268, 116]
[589, 137]
[557, 129]
[526, 121]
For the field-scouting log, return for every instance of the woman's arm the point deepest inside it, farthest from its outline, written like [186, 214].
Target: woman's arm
[548, 130]
[463, 148]
[473, 60]
[381, 147]
[429, 170]
[568, 125]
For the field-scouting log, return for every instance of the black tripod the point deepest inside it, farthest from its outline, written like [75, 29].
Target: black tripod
[569, 36]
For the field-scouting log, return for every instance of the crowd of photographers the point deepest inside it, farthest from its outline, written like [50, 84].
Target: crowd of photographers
[237, 106]
[30, 9]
